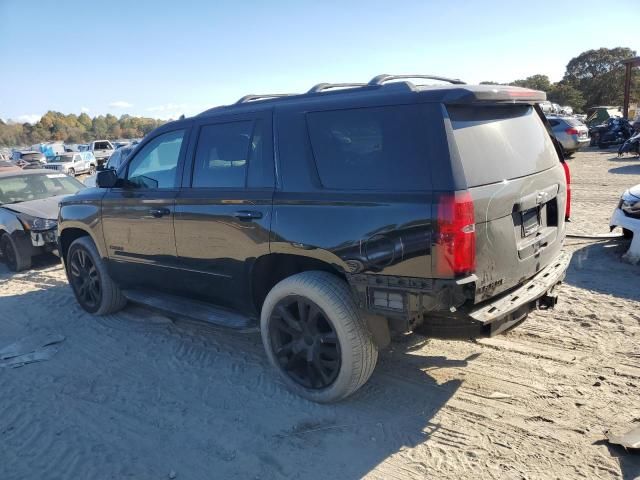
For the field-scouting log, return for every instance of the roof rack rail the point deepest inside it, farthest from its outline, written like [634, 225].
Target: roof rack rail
[381, 79]
[321, 87]
[252, 98]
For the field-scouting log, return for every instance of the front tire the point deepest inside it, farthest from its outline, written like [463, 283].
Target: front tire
[71, 172]
[315, 338]
[15, 260]
[92, 170]
[94, 289]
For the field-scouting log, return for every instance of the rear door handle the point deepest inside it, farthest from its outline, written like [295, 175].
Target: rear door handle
[159, 212]
[248, 215]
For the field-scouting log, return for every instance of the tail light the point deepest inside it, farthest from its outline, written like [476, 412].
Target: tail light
[455, 249]
[567, 176]
[572, 131]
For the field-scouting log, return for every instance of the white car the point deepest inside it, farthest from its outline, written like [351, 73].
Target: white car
[627, 216]
[73, 163]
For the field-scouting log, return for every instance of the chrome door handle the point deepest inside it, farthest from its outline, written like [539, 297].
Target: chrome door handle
[248, 215]
[159, 212]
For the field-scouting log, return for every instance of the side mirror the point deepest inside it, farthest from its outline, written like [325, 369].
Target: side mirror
[106, 179]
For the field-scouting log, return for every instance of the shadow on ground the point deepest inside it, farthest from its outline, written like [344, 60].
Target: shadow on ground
[626, 170]
[599, 266]
[39, 262]
[137, 394]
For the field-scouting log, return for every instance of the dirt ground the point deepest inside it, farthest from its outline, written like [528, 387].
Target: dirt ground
[138, 395]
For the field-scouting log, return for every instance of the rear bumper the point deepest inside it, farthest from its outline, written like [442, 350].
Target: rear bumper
[502, 313]
[573, 143]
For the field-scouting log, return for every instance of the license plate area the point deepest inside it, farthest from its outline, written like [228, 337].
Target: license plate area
[530, 221]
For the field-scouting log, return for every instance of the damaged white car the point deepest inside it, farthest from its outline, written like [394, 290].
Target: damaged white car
[29, 213]
[627, 216]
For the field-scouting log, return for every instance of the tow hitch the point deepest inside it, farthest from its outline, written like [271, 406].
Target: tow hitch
[547, 301]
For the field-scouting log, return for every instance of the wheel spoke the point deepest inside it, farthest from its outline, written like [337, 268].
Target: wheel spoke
[303, 311]
[281, 325]
[285, 349]
[75, 269]
[328, 338]
[288, 318]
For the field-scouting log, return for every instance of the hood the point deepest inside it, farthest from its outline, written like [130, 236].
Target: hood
[635, 191]
[57, 164]
[44, 208]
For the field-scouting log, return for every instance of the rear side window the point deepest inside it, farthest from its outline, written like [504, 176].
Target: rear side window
[381, 148]
[223, 153]
[498, 143]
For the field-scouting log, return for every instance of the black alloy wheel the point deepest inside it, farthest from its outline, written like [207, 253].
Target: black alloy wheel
[305, 342]
[85, 279]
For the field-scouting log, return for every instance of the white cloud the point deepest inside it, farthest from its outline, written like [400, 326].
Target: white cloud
[167, 107]
[85, 109]
[28, 118]
[120, 104]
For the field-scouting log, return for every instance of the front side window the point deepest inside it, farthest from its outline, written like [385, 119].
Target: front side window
[223, 152]
[381, 148]
[155, 166]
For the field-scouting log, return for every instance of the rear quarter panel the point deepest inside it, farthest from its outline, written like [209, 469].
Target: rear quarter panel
[375, 232]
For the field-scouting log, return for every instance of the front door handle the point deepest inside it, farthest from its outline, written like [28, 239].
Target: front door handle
[248, 215]
[159, 212]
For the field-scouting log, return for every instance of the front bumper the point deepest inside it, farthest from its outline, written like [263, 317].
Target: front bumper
[619, 219]
[502, 313]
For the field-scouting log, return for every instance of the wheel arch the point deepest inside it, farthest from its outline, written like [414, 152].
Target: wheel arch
[70, 234]
[268, 270]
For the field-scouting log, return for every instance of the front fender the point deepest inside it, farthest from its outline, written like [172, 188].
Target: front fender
[85, 215]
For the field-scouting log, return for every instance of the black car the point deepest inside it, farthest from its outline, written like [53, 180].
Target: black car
[29, 213]
[330, 219]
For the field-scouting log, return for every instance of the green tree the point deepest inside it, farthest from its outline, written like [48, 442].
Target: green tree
[599, 75]
[564, 94]
[85, 121]
[535, 82]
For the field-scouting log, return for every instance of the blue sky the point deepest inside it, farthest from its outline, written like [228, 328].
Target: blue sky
[164, 58]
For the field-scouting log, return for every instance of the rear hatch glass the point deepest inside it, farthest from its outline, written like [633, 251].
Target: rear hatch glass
[498, 143]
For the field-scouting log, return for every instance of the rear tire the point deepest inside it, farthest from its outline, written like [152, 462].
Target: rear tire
[94, 289]
[15, 260]
[326, 337]
[92, 170]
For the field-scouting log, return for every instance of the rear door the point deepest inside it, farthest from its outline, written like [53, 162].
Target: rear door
[518, 187]
[223, 212]
[137, 217]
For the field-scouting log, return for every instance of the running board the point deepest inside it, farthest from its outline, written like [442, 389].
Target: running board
[193, 309]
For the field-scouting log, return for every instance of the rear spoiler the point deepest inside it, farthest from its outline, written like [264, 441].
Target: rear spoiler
[493, 94]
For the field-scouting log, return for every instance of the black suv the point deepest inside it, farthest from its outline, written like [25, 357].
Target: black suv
[331, 218]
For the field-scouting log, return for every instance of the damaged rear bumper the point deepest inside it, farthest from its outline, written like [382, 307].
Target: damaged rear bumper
[504, 312]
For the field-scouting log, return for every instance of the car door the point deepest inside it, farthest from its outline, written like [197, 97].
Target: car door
[137, 217]
[223, 211]
[78, 164]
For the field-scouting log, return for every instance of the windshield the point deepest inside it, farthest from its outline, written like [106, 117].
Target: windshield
[22, 188]
[60, 159]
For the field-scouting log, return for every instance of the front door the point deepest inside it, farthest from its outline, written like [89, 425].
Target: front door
[137, 217]
[223, 213]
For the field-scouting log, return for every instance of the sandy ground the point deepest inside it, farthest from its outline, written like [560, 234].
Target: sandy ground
[137, 395]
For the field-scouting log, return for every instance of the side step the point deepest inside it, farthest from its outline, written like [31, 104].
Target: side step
[189, 308]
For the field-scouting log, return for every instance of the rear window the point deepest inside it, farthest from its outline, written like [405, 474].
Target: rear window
[381, 148]
[498, 143]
